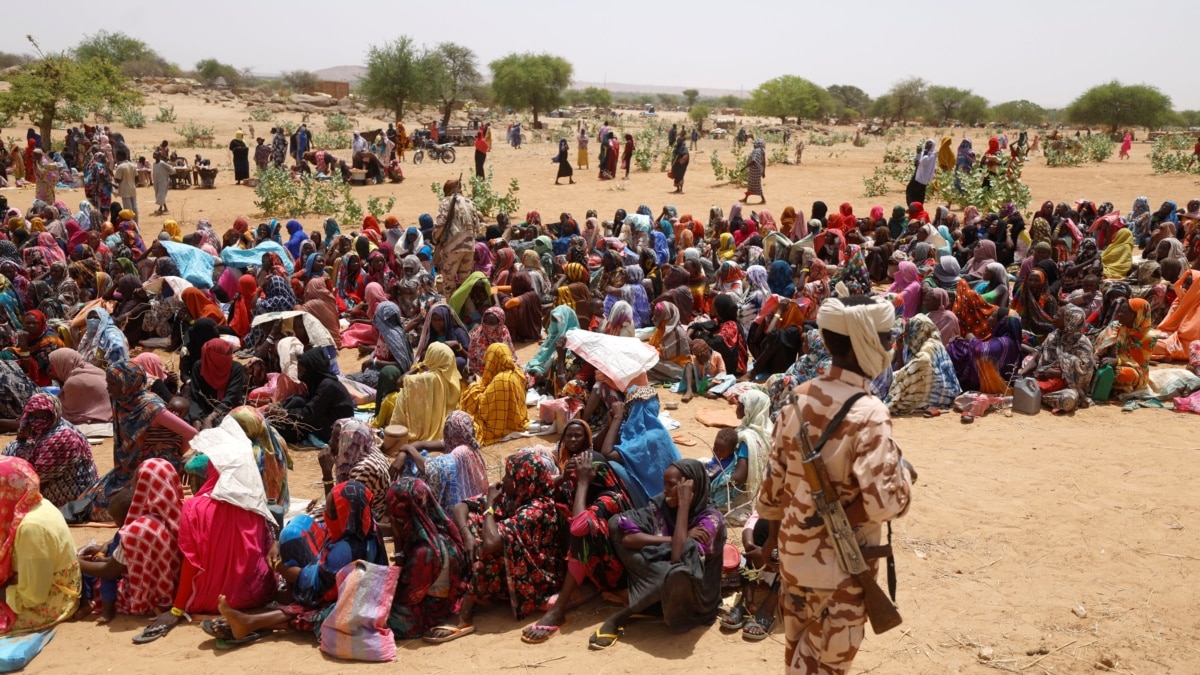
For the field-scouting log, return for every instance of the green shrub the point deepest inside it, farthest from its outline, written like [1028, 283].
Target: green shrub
[730, 176]
[331, 140]
[830, 139]
[337, 122]
[778, 156]
[278, 196]
[379, 208]
[487, 201]
[132, 117]
[165, 115]
[74, 112]
[876, 185]
[1078, 151]
[1006, 186]
[261, 115]
[1173, 154]
[195, 135]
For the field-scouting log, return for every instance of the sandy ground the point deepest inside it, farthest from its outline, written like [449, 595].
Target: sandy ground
[1015, 520]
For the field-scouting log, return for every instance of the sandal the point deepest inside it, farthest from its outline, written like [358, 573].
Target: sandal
[151, 633]
[232, 642]
[600, 640]
[550, 631]
[451, 633]
[217, 628]
[762, 626]
[734, 619]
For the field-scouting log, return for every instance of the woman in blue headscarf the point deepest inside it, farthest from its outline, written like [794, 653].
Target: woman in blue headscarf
[638, 445]
[562, 319]
[296, 230]
[661, 249]
[634, 292]
[780, 279]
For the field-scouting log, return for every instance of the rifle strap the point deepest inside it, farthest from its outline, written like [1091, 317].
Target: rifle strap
[891, 566]
[836, 421]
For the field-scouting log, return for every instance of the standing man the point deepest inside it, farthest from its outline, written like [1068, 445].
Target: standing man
[481, 150]
[160, 178]
[125, 178]
[823, 609]
[672, 135]
[695, 138]
[924, 165]
[454, 233]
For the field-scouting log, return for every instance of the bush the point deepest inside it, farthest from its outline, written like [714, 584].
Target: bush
[646, 148]
[289, 127]
[337, 122]
[165, 115]
[1173, 154]
[828, 140]
[261, 115]
[1078, 151]
[487, 201]
[876, 185]
[195, 135]
[74, 112]
[778, 156]
[1006, 186]
[379, 208]
[278, 196]
[331, 141]
[132, 117]
[730, 176]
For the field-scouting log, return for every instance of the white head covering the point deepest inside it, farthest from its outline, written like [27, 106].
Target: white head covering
[232, 455]
[862, 324]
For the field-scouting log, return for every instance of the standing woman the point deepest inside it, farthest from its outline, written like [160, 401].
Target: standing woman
[627, 154]
[756, 171]
[1126, 146]
[481, 150]
[680, 158]
[564, 163]
[582, 160]
[611, 157]
[241, 157]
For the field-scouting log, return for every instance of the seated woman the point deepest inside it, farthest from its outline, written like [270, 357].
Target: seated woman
[1066, 364]
[353, 454]
[1127, 345]
[543, 363]
[218, 383]
[753, 444]
[362, 333]
[1182, 322]
[514, 535]
[1117, 257]
[591, 490]
[39, 566]
[523, 311]
[37, 343]
[1036, 304]
[927, 380]
[491, 330]
[60, 454]
[471, 298]
[143, 429]
[15, 391]
[391, 346]
[670, 550]
[102, 343]
[431, 391]
[638, 444]
[671, 341]
[812, 361]
[225, 531]
[497, 399]
[458, 473]
[84, 394]
[270, 456]
[326, 401]
[987, 365]
[309, 561]
[775, 336]
[442, 326]
[433, 562]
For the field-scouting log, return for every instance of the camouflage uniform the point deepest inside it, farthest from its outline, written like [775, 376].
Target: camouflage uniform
[822, 605]
[455, 255]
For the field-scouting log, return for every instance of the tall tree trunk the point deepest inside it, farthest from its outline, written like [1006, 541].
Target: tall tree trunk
[535, 118]
[448, 107]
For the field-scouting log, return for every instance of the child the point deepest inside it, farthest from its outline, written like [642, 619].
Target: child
[1088, 297]
[698, 373]
[108, 568]
[728, 470]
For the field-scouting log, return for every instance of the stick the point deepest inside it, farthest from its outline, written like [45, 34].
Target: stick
[1058, 649]
[538, 664]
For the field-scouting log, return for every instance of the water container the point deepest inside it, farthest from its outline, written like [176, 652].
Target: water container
[1027, 397]
[1102, 386]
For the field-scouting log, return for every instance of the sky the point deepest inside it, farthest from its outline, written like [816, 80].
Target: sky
[1044, 51]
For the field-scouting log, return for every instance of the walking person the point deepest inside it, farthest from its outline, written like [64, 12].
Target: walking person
[564, 163]
[823, 609]
[679, 164]
[627, 154]
[160, 177]
[241, 157]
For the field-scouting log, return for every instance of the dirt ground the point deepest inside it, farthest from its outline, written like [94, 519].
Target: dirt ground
[1016, 521]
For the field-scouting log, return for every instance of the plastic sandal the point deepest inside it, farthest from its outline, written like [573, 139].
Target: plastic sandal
[550, 631]
[453, 633]
[600, 640]
[233, 643]
[734, 619]
[764, 626]
[151, 633]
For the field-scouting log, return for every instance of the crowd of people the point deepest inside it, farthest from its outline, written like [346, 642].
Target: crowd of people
[742, 306]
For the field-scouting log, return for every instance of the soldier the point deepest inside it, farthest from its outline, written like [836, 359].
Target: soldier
[454, 234]
[823, 609]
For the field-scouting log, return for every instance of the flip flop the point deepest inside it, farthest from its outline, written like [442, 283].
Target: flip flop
[234, 643]
[600, 640]
[764, 626]
[734, 619]
[454, 633]
[150, 634]
[550, 631]
[217, 628]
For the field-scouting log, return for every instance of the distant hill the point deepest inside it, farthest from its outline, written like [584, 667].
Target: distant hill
[351, 74]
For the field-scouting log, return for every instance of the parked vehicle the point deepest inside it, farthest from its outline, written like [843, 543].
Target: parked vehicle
[436, 151]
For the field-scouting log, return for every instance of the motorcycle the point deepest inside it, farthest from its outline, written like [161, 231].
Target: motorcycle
[442, 151]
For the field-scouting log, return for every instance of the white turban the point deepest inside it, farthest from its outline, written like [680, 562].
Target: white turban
[862, 324]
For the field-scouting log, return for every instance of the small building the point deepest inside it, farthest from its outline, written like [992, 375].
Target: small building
[337, 90]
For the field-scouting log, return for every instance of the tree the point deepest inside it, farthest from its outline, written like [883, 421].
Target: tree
[1190, 118]
[1119, 106]
[8, 60]
[954, 104]
[134, 57]
[731, 101]
[881, 107]
[536, 81]
[50, 83]
[597, 97]
[209, 70]
[909, 99]
[302, 81]
[451, 70]
[1018, 113]
[393, 77]
[691, 95]
[699, 113]
[789, 96]
[849, 96]
[667, 99]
